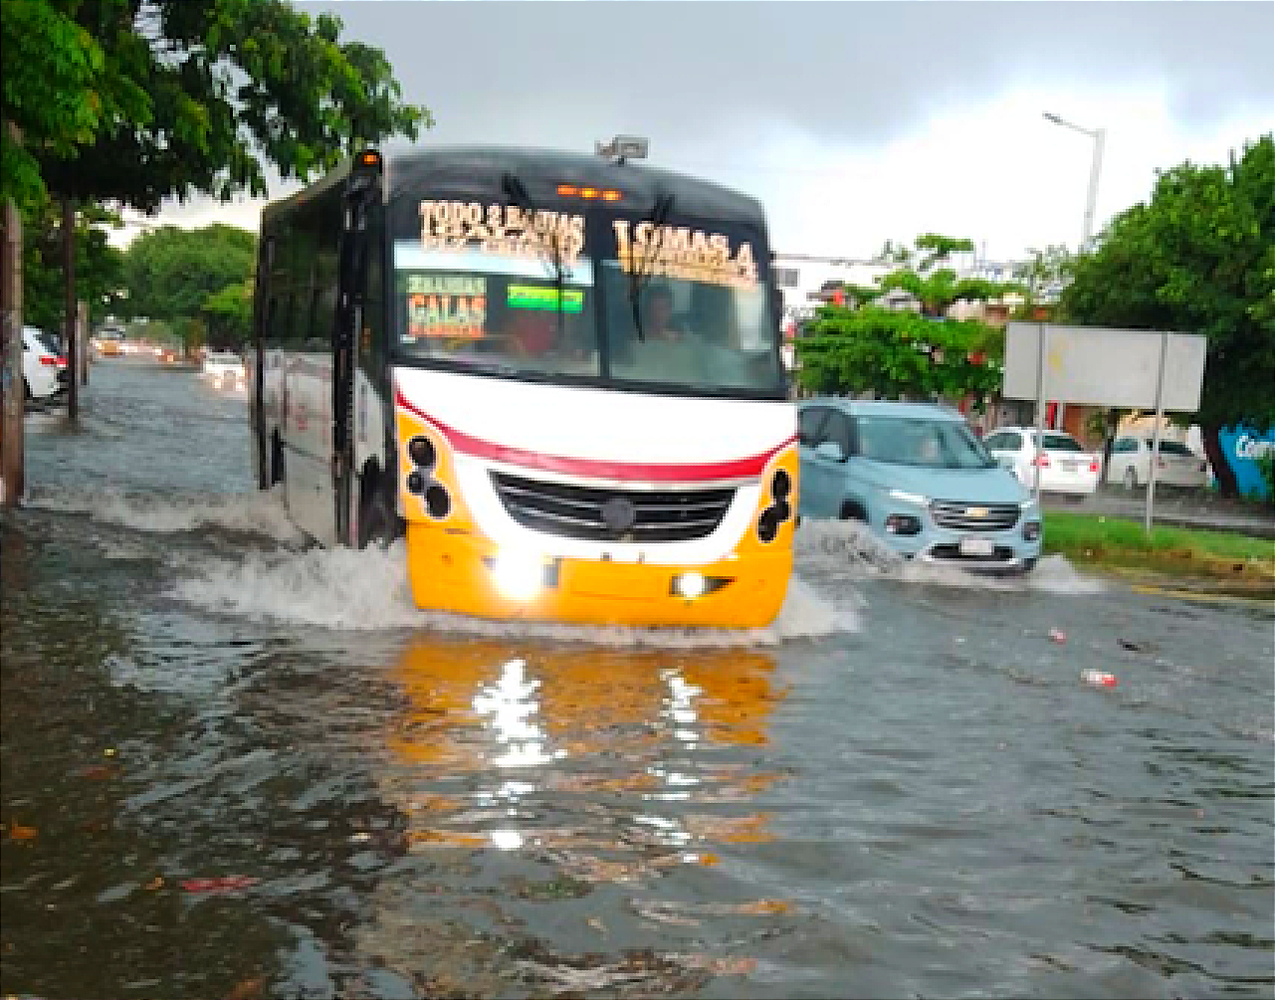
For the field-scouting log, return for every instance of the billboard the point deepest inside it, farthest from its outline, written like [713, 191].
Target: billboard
[1099, 366]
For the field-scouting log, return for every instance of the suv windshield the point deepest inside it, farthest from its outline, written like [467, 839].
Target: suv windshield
[936, 444]
[681, 305]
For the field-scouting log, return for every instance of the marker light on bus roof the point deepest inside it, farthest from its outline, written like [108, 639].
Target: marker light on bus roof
[588, 193]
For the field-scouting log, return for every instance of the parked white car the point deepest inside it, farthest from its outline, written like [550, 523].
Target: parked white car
[44, 371]
[223, 368]
[1065, 466]
[1177, 465]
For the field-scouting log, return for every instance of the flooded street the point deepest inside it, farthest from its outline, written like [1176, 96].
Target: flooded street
[233, 766]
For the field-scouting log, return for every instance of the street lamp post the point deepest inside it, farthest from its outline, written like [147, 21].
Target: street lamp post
[1098, 135]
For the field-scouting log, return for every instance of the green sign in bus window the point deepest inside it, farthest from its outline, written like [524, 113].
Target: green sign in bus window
[540, 297]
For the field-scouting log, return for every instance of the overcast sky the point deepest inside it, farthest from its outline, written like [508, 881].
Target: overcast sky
[852, 122]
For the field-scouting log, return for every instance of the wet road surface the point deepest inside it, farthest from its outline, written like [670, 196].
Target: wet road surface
[231, 766]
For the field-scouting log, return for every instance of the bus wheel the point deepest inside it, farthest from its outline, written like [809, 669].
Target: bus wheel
[376, 522]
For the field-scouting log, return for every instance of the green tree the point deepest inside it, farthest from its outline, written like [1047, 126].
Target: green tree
[898, 352]
[51, 92]
[1044, 276]
[171, 274]
[98, 266]
[937, 288]
[165, 98]
[228, 315]
[1199, 257]
[135, 101]
[862, 347]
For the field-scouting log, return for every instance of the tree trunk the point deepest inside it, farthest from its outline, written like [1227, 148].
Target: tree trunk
[1222, 470]
[12, 398]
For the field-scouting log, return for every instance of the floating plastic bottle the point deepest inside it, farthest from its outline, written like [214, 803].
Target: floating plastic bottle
[1057, 635]
[1098, 678]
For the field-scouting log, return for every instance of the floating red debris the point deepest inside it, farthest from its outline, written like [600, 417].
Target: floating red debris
[223, 883]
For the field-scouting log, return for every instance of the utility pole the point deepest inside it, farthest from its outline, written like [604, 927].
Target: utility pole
[12, 396]
[69, 312]
[1099, 137]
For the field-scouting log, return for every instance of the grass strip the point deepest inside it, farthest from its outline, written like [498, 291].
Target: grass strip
[1099, 539]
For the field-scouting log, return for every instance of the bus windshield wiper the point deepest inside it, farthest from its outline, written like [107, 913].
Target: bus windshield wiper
[638, 280]
[517, 193]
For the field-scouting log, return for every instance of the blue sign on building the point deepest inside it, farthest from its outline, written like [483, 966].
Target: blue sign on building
[1243, 447]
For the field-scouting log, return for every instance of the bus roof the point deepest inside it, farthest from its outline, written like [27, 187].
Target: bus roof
[477, 172]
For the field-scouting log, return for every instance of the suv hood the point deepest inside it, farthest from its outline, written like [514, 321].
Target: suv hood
[995, 485]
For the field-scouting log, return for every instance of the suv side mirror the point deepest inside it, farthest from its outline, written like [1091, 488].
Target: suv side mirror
[831, 451]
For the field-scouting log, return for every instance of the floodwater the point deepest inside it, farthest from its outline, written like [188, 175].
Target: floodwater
[231, 766]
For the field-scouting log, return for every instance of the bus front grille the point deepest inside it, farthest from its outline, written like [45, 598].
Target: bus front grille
[611, 514]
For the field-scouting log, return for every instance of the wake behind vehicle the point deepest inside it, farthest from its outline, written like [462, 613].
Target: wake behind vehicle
[917, 476]
[557, 375]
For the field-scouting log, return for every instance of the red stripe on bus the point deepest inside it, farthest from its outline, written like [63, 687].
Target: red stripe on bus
[599, 468]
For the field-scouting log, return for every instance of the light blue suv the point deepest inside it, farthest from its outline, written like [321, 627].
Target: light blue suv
[920, 479]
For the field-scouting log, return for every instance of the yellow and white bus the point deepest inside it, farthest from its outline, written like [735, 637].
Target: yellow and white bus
[557, 375]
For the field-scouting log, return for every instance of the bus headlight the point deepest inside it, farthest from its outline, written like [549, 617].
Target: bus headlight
[519, 576]
[690, 585]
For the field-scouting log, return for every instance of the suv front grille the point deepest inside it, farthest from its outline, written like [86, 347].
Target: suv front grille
[572, 511]
[964, 515]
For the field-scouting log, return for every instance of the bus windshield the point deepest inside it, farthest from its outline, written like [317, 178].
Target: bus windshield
[496, 313]
[649, 309]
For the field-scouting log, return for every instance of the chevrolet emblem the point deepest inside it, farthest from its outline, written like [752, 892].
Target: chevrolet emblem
[976, 512]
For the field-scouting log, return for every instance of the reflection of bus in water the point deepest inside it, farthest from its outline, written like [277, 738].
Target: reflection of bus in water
[559, 376]
[613, 761]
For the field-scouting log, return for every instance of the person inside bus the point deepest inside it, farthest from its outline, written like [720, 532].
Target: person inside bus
[658, 322]
[532, 332]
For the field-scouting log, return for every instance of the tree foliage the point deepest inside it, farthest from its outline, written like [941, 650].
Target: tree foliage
[896, 353]
[1046, 273]
[1199, 257]
[227, 315]
[98, 266]
[936, 288]
[141, 100]
[50, 89]
[863, 347]
[181, 276]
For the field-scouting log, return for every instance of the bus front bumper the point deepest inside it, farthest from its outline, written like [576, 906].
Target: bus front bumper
[452, 570]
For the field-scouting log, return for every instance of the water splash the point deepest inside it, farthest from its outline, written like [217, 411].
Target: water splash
[848, 550]
[250, 513]
[347, 589]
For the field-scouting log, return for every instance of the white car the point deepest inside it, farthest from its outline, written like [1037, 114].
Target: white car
[1065, 467]
[1177, 465]
[223, 368]
[44, 370]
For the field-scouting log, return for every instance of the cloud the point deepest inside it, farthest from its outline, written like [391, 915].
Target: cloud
[853, 122]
